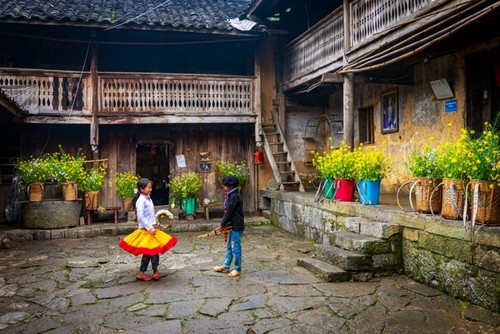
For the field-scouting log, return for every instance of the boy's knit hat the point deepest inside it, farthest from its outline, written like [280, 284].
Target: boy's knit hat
[230, 180]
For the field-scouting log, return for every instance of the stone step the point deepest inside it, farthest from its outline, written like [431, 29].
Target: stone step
[342, 258]
[361, 243]
[382, 230]
[324, 270]
[266, 214]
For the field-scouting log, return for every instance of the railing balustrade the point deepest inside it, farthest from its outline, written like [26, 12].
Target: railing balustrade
[323, 44]
[64, 92]
[193, 94]
[38, 92]
[369, 17]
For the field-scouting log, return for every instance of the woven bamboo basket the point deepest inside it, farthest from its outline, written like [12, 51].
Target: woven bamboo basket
[36, 191]
[423, 191]
[69, 191]
[488, 202]
[92, 200]
[453, 198]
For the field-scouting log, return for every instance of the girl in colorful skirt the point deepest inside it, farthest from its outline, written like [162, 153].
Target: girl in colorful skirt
[147, 239]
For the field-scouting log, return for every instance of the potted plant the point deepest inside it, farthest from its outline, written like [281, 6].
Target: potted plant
[91, 184]
[452, 160]
[427, 173]
[185, 188]
[483, 171]
[240, 170]
[126, 183]
[336, 167]
[33, 173]
[68, 170]
[371, 166]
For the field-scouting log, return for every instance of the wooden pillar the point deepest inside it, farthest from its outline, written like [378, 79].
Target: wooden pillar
[348, 82]
[349, 109]
[94, 123]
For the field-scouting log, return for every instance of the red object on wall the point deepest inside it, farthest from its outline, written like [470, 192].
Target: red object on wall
[258, 157]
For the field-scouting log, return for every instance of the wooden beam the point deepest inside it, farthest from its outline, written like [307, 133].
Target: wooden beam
[94, 81]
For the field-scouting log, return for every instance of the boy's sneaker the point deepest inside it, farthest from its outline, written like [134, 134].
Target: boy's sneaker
[220, 269]
[234, 273]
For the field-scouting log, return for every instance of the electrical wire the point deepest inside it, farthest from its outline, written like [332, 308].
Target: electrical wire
[129, 20]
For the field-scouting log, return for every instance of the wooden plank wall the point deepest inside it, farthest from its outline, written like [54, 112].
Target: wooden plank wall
[235, 143]
[118, 145]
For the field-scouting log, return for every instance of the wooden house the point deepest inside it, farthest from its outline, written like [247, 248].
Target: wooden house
[139, 83]
[340, 63]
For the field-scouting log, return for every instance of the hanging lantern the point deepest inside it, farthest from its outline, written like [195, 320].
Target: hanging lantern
[258, 157]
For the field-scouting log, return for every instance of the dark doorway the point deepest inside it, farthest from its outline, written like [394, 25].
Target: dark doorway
[483, 88]
[153, 163]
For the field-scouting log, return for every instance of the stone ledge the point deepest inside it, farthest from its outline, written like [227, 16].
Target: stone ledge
[110, 229]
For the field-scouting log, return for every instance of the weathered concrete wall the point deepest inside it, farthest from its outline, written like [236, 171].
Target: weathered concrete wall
[421, 117]
[437, 252]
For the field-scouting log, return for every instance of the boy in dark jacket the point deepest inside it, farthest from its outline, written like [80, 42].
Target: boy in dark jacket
[233, 216]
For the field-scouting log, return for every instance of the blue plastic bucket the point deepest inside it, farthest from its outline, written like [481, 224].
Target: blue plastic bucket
[369, 192]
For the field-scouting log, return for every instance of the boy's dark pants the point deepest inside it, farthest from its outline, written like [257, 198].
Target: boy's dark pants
[154, 259]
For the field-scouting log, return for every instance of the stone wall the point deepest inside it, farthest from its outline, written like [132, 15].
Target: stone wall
[440, 253]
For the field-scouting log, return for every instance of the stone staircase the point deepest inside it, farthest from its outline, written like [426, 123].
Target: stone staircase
[364, 250]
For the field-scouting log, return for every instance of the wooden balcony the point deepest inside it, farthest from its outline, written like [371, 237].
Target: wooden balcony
[370, 24]
[317, 51]
[128, 98]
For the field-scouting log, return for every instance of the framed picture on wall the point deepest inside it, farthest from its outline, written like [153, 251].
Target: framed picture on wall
[390, 115]
[205, 167]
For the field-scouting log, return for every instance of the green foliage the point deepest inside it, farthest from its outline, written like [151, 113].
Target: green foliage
[94, 178]
[33, 170]
[371, 164]
[126, 183]
[423, 163]
[66, 167]
[483, 154]
[185, 185]
[240, 170]
[336, 164]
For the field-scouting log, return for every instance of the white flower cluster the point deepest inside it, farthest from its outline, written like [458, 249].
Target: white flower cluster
[163, 214]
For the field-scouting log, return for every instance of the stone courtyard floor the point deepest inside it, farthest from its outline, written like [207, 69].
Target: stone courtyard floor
[87, 285]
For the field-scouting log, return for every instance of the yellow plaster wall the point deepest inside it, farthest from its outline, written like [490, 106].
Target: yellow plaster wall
[421, 117]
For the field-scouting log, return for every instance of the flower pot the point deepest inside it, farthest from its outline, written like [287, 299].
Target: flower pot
[92, 200]
[369, 192]
[189, 204]
[329, 188]
[344, 190]
[35, 192]
[423, 188]
[69, 191]
[126, 205]
[453, 199]
[485, 202]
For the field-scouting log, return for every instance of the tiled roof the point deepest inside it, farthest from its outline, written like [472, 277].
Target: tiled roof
[184, 15]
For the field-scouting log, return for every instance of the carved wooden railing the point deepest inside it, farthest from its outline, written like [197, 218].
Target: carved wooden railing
[62, 92]
[176, 93]
[47, 91]
[369, 17]
[320, 46]
[320, 49]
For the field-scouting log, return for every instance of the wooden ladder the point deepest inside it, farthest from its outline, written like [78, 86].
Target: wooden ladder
[280, 159]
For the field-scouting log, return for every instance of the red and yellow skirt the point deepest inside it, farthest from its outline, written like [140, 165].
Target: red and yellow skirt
[142, 242]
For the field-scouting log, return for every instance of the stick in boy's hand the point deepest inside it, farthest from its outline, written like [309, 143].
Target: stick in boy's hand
[217, 231]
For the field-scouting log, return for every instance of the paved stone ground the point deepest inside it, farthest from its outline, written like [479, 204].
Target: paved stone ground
[88, 286]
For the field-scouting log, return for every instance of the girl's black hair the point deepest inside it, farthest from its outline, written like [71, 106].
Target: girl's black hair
[141, 184]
